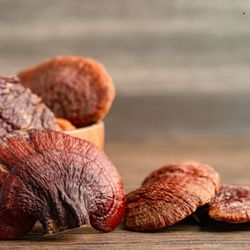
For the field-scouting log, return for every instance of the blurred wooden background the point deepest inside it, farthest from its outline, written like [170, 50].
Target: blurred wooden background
[169, 53]
[148, 46]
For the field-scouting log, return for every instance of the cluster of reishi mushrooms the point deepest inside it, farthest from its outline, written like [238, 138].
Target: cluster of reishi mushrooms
[65, 182]
[175, 191]
[61, 93]
[46, 175]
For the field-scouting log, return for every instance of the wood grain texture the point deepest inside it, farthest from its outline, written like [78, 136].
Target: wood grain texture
[135, 159]
[158, 117]
[159, 46]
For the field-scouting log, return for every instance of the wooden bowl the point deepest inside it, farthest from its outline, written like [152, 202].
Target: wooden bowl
[94, 133]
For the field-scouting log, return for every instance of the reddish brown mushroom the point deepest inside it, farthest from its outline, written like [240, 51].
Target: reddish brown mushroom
[59, 180]
[169, 195]
[21, 109]
[76, 88]
[231, 204]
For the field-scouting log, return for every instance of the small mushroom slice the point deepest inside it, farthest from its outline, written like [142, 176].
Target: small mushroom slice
[78, 89]
[65, 125]
[169, 195]
[21, 109]
[231, 204]
[61, 181]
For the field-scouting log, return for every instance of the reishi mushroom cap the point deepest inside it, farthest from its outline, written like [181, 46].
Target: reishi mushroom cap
[231, 204]
[61, 181]
[78, 89]
[169, 195]
[21, 109]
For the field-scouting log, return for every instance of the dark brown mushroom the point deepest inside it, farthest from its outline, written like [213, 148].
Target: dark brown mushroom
[21, 109]
[231, 204]
[59, 180]
[169, 195]
[76, 88]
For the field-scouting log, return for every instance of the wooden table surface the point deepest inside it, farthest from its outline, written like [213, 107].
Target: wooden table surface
[135, 159]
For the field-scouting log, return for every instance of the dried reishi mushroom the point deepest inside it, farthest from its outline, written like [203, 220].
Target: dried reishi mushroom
[169, 195]
[21, 109]
[231, 204]
[78, 89]
[61, 181]
[65, 125]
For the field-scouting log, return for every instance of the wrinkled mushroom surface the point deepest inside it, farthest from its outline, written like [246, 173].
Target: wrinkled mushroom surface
[231, 204]
[78, 89]
[21, 109]
[169, 195]
[59, 180]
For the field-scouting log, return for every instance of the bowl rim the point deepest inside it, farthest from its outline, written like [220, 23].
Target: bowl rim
[87, 128]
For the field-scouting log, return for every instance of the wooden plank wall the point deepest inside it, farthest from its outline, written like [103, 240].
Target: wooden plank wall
[150, 47]
[179, 50]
